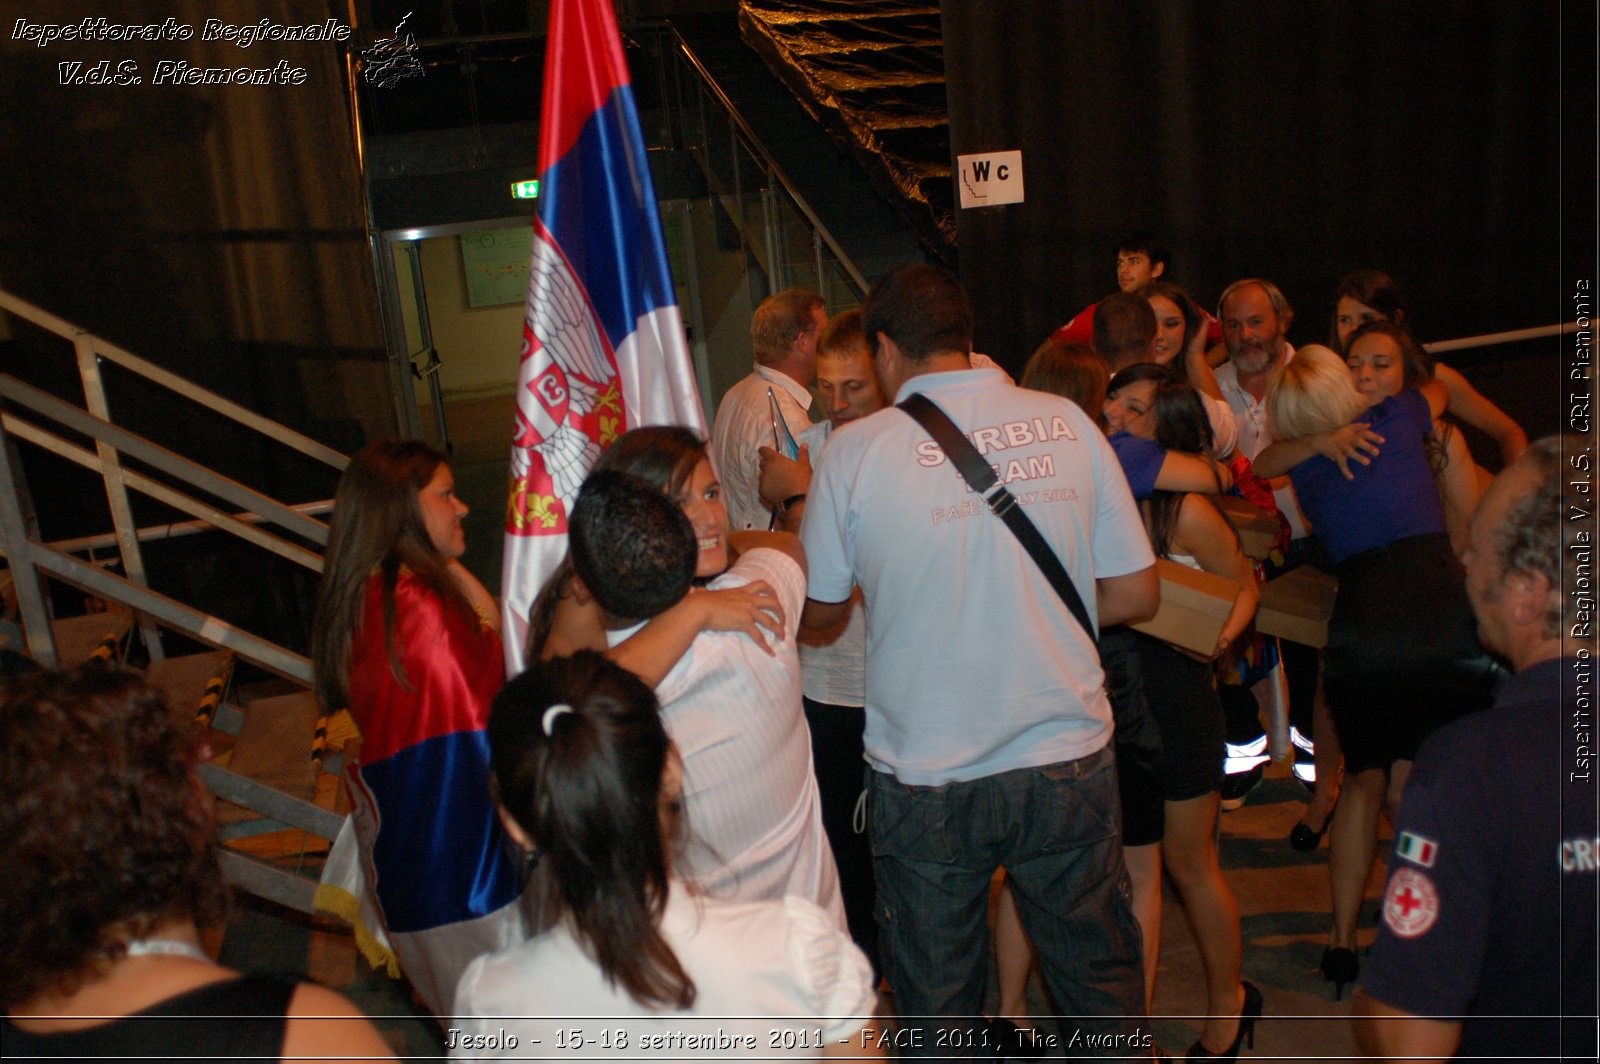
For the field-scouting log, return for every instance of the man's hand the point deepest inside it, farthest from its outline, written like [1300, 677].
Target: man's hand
[783, 478]
[748, 608]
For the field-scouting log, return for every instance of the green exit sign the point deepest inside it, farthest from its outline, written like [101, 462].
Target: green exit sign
[525, 189]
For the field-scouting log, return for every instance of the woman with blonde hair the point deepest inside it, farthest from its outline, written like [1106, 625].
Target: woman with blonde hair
[1402, 657]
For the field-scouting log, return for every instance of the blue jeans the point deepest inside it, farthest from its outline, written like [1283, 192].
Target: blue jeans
[1055, 830]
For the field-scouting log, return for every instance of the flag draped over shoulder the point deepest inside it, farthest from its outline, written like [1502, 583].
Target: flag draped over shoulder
[603, 348]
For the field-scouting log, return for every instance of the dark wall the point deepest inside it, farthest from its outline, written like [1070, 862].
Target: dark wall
[216, 230]
[1294, 141]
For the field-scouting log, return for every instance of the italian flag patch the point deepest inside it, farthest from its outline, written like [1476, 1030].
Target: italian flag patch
[1416, 849]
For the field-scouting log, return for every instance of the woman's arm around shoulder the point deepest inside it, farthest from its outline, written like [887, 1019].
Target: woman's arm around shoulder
[787, 542]
[1471, 406]
[1193, 472]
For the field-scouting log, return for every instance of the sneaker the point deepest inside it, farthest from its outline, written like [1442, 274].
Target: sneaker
[1237, 785]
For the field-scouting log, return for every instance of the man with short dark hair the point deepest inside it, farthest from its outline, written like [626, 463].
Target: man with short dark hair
[1141, 258]
[983, 692]
[1124, 330]
[784, 332]
[1488, 933]
[732, 708]
[634, 577]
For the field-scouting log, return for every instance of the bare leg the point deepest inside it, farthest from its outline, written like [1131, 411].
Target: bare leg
[1190, 855]
[1399, 773]
[1144, 869]
[1353, 842]
[1013, 955]
[1329, 761]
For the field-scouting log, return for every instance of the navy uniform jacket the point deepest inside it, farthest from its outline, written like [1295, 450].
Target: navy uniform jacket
[1490, 905]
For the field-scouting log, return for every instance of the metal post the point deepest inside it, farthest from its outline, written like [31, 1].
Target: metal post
[94, 394]
[777, 268]
[18, 543]
[425, 331]
[816, 257]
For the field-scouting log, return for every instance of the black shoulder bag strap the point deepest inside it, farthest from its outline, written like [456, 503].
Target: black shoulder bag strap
[981, 478]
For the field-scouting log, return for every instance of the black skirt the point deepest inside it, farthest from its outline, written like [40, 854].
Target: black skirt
[1188, 713]
[1403, 655]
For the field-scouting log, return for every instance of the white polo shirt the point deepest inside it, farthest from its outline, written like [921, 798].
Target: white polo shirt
[974, 665]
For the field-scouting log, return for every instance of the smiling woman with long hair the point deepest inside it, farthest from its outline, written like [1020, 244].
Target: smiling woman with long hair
[405, 639]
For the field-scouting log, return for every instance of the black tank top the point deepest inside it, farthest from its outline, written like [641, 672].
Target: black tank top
[236, 1019]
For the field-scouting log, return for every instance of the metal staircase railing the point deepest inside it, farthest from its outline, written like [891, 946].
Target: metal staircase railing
[281, 528]
[780, 233]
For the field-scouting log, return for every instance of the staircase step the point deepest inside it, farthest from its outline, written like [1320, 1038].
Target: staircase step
[78, 638]
[191, 680]
[274, 748]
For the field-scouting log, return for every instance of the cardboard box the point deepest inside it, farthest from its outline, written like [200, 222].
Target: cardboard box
[1194, 607]
[1296, 606]
[1258, 530]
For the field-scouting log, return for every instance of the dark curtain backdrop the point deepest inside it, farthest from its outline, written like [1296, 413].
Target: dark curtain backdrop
[1294, 141]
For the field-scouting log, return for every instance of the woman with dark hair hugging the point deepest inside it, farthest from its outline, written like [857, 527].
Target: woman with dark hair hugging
[111, 872]
[588, 782]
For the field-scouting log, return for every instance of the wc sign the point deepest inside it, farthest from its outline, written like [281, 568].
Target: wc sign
[990, 180]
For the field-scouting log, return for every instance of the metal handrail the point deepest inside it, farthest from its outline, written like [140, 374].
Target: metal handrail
[1510, 337]
[195, 623]
[208, 518]
[167, 379]
[192, 472]
[759, 150]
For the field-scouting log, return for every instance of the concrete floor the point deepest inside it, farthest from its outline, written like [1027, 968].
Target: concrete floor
[1283, 901]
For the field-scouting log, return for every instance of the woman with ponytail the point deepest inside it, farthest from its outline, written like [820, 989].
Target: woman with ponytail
[588, 783]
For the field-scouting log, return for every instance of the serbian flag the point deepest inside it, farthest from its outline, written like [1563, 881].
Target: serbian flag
[603, 348]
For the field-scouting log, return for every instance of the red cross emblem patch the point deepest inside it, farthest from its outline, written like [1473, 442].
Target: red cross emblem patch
[1411, 904]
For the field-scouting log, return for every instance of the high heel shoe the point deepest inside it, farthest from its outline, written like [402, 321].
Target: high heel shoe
[1303, 839]
[1249, 1013]
[1340, 966]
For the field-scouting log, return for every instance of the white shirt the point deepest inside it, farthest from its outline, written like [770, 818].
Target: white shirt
[1250, 417]
[1224, 429]
[750, 795]
[974, 665]
[834, 664]
[781, 964]
[744, 423]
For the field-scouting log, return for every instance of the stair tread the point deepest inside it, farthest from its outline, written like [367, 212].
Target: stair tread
[182, 680]
[274, 746]
[77, 637]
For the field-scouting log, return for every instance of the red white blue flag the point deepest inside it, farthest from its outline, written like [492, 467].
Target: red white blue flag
[603, 347]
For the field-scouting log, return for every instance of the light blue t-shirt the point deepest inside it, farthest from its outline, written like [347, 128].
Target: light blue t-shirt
[974, 665]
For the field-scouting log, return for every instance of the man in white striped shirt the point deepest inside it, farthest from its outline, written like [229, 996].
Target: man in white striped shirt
[732, 709]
